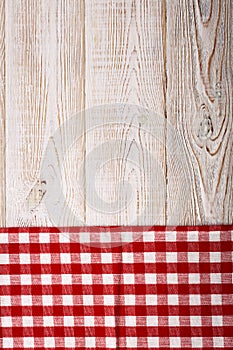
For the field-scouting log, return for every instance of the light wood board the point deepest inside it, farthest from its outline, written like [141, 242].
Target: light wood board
[149, 84]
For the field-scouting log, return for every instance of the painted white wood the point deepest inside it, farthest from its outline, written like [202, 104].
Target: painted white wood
[173, 58]
[199, 103]
[125, 64]
[2, 115]
[44, 68]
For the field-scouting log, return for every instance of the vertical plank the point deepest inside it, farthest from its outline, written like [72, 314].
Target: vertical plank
[125, 65]
[70, 102]
[199, 102]
[44, 87]
[2, 113]
[27, 51]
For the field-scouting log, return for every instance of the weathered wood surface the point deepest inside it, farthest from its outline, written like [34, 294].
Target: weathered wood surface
[2, 116]
[173, 58]
[125, 64]
[199, 101]
[44, 64]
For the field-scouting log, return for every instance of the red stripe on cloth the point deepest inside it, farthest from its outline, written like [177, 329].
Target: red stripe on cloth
[171, 288]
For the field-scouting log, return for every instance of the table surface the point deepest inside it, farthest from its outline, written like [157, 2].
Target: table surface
[163, 156]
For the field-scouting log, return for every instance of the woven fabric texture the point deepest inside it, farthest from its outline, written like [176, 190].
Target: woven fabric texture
[170, 288]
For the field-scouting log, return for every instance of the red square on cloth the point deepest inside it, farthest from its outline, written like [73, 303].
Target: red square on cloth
[168, 288]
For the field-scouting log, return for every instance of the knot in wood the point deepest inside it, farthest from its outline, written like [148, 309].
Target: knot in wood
[205, 128]
[36, 194]
[219, 90]
[142, 119]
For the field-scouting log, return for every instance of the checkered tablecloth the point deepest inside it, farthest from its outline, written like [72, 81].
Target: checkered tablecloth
[170, 288]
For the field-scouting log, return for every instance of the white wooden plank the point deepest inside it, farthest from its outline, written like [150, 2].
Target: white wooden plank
[44, 88]
[125, 64]
[199, 103]
[2, 113]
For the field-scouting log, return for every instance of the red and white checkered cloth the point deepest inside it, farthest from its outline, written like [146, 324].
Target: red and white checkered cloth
[168, 289]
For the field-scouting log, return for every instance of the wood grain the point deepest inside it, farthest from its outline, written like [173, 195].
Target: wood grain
[70, 101]
[149, 86]
[44, 87]
[27, 45]
[199, 101]
[125, 65]
[2, 115]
